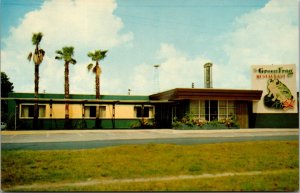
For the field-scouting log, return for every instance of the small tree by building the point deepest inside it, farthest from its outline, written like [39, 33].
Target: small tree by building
[6, 87]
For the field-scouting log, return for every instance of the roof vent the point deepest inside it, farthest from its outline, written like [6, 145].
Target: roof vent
[208, 75]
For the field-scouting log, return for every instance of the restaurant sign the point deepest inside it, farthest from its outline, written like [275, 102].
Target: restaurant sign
[278, 83]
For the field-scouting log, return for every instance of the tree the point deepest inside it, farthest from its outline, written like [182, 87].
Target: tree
[66, 54]
[96, 56]
[37, 57]
[6, 87]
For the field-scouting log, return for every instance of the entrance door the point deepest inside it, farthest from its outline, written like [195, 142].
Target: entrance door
[242, 114]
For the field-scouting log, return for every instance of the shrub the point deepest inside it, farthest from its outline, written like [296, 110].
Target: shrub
[190, 121]
[143, 124]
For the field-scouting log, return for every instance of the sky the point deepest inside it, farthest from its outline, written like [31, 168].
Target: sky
[179, 35]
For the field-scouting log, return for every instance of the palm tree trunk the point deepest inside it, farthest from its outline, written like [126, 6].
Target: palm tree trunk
[36, 94]
[97, 87]
[67, 96]
[97, 80]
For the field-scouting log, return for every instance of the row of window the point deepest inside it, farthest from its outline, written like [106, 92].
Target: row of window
[212, 109]
[27, 111]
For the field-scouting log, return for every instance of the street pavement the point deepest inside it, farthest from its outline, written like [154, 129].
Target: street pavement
[82, 139]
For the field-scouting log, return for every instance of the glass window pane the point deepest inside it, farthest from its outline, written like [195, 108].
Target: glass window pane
[223, 111]
[87, 111]
[31, 110]
[222, 104]
[102, 112]
[231, 111]
[194, 106]
[42, 111]
[138, 111]
[202, 117]
[92, 111]
[230, 104]
[146, 112]
[25, 111]
[222, 116]
[202, 111]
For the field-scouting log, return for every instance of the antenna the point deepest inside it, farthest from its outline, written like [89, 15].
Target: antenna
[156, 77]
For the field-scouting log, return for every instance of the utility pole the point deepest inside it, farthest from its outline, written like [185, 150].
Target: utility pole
[156, 77]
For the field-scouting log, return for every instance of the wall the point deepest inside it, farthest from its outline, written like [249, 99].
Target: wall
[290, 120]
[57, 124]
[125, 114]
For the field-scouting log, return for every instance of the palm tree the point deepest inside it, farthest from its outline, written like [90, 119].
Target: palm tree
[37, 57]
[66, 54]
[96, 56]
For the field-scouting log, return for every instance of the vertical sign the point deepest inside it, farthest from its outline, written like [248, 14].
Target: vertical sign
[278, 83]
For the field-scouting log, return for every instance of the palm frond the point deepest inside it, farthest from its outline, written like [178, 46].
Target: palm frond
[68, 50]
[73, 61]
[66, 54]
[58, 57]
[90, 54]
[103, 54]
[37, 38]
[42, 52]
[90, 66]
[29, 56]
[97, 55]
[59, 52]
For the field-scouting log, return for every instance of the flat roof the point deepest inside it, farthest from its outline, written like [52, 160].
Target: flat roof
[207, 94]
[162, 97]
[86, 101]
[78, 96]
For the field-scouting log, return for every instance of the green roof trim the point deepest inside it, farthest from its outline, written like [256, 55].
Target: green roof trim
[78, 96]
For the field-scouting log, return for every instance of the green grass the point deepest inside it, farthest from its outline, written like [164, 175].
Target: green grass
[158, 160]
[283, 181]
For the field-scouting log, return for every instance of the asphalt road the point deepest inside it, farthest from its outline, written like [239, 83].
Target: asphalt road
[84, 139]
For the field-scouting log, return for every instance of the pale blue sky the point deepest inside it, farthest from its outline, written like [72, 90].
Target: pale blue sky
[180, 35]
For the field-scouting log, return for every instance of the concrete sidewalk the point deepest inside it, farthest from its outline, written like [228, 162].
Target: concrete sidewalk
[23, 132]
[100, 135]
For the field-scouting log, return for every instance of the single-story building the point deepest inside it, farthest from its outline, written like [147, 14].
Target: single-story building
[123, 111]
[273, 102]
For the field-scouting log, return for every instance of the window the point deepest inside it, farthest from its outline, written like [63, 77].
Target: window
[91, 111]
[212, 109]
[143, 112]
[213, 113]
[27, 111]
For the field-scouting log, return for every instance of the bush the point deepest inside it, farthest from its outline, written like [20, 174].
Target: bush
[189, 121]
[143, 124]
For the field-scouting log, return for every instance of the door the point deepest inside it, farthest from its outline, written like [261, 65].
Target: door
[242, 114]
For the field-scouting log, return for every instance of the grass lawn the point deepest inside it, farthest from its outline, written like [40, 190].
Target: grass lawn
[57, 170]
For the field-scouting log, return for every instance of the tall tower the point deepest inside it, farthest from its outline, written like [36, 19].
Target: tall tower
[208, 75]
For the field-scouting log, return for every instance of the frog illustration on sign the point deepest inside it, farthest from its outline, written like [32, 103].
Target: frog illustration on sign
[279, 95]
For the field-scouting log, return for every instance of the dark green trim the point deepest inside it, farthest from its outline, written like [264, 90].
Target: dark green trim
[57, 124]
[275, 120]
